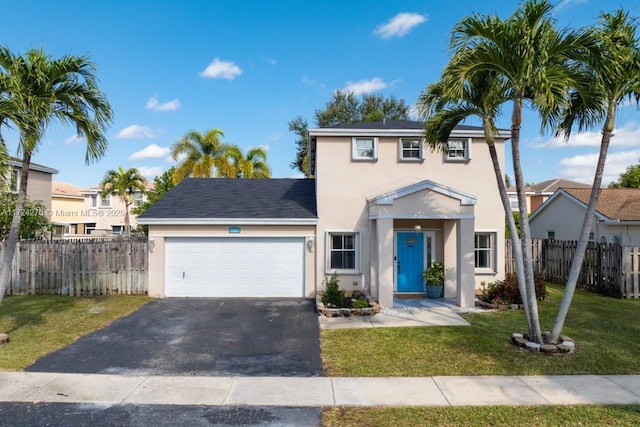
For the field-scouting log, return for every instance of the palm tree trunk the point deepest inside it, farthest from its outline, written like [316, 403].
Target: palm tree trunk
[127, 225]
[14, 230]
[535, 333]
[511, 224]
[583, 240]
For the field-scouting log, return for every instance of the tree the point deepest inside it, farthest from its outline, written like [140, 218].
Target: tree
[253, 165]
[161, 185]
[202, 154]
[613, 78]
[629, 179]
[538, 63]
[36, 90]
[344, 108]
[483, 95]
[33, 218]
[123, 183]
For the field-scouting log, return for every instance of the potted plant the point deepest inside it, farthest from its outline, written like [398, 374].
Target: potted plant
[434, 277]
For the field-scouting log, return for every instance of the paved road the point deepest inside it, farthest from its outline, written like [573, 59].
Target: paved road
[200, 336]
[95, 415]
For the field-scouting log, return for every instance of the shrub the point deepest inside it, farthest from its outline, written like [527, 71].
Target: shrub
[507, 290]
[333, 295]
[359, 303]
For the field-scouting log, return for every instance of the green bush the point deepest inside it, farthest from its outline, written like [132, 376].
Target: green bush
[506, 291]
[360, 303]
[333, 295]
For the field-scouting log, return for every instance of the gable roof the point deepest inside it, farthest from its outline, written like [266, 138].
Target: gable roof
[222, 200]
[17, 163]
[65, 190]
[621, 204]
[549, 186]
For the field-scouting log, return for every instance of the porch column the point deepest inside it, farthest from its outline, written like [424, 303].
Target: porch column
[384, 266]
[465, 296]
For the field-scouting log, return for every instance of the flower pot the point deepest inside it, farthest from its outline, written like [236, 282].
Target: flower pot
[434, 291]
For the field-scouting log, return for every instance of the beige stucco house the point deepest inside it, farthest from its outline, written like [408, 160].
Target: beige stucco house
[616, 220]
[537, 194]
[379, 209]
[68, 213]
[38, 185]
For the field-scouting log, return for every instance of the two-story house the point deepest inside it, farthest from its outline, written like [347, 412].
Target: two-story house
[380, 208]
[38, 185]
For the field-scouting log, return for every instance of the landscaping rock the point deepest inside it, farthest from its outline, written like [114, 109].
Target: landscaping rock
[4, 338]
[533, 346]
[548, 348]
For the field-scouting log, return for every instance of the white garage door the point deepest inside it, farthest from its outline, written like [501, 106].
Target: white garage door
[234, 267]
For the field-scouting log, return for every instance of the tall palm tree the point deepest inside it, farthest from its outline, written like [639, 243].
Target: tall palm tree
[203, 153]
[534, 59]
[36, 90]
[5, 165]
[483, 96]
[613, 76]
[253, 165]
[124, 184]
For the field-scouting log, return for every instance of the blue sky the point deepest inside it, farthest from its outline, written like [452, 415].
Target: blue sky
[249, 67]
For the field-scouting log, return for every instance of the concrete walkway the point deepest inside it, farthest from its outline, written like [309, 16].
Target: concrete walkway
[319, 391]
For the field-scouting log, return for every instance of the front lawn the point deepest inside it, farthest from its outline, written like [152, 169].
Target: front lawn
[606, 332]
[38, 325]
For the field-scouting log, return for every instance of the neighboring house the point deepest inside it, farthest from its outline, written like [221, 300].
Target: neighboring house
[616, 220]
[537, 194]
[380, 209]
[105, 214]
[39, 185]
[68, 212]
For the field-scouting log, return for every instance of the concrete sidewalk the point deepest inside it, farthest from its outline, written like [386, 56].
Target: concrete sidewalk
[319, 391]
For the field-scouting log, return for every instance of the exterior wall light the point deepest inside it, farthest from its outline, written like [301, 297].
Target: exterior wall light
[152, 244]
[417, 227]
[310, 243]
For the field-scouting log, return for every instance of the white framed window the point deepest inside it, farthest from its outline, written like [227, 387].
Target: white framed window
[137, 198]
[458, 150]
[364, 148]
[94, 200]
[551, 234]
[410, 149]
[485, 250]
[513, 201]
[105, 201]
[117, 229]
[343, 252]
[14, 180]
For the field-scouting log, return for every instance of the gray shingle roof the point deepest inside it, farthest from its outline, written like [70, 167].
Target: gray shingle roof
[211, 198]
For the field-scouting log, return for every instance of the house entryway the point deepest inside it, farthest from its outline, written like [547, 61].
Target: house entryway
[414, 252]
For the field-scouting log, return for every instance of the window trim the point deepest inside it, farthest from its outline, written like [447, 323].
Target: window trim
[138, 199]
[401, 149]
[467, 151]
[493, 251]
[551, 234]
[354, 151]
[102, 199]
[358, 248]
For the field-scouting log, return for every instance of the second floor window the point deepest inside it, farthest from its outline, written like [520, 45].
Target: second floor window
[105, 201]
[94, 200]
[458, 150]
[410, 149]
[365, 148]
[15, 179]
[137, 199]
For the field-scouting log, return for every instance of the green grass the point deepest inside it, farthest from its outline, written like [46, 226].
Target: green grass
[38, 325]
[483, 416]
[606, 332]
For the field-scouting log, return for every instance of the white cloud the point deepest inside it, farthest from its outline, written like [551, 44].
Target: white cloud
[152, 151]
[566, 3]
[265, 147]
[154, 104]
[276, 137]
[74, 139]
[150, 172]
[136, 132]
[307, 81]
[626, 136]
[582, 167]
[365, 86]
[399, 25]
[221, 70]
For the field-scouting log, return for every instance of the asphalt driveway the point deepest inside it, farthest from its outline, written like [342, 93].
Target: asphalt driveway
[200, 336]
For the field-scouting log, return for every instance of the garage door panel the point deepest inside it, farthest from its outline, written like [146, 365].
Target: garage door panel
[234, 267]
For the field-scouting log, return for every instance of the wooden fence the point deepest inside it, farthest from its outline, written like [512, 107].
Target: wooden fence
[608, 269]
[78, 267]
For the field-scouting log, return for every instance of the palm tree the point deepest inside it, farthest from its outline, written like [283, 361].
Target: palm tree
[483, 96]
[124, 184]
[253, 165]
[612, 75]
[36, 90]
[202, 154]
[534, 59]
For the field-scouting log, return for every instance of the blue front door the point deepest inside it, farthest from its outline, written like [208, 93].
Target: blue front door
[409, 261]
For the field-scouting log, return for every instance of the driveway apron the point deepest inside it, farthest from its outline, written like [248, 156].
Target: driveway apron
[200, 336]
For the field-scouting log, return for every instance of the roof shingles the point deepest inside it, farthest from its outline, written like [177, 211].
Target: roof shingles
[615, 203]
